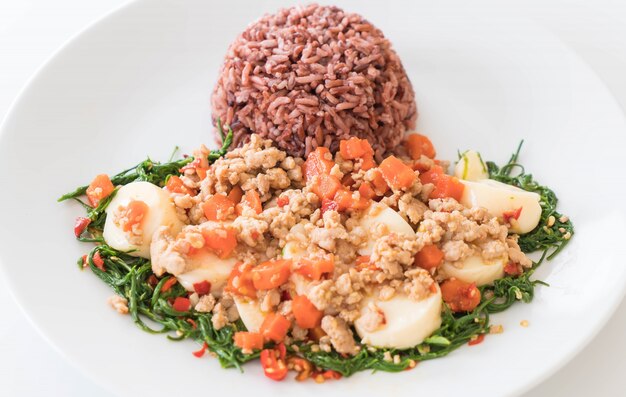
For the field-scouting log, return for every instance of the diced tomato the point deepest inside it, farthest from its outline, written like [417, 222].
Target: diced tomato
[248, 340]
[134, 213]
[429, 257]
[318, 162]
[418, 145]
[274, 367]
[397, 174]
[282, 201]
[218, 208]
[306, 314]
[355, 148]
[200, 352]
[326, 186]
[271, 274]
[168, 284]
[222, 241]
[315, 269]
[98, 261]
[99, 189]
[240, 281]
[329, 205]
[459, 295]
[476, 341]
[512, 214]
[181, 304]
[202, 288]
[513, 269]
[251, 200]
[176, 185]
[275, 327]
[235, 194]
[80, 225]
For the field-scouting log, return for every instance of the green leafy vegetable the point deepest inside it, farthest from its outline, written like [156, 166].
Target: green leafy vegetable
[130, 277]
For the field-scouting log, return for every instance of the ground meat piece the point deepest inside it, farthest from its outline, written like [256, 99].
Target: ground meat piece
[412, 207]
[393, 252]
[164, 253]
[205, 304]
[445, 205]
[299, 333]
[515, 253]
[456, 250]
[269, 300]
[493, 249]
[326, 237]
[418, 284]
[340, 335]
[120, 304]
[220, 316]
[373, 318]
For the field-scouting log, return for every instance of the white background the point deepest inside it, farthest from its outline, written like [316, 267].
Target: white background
[30, 32]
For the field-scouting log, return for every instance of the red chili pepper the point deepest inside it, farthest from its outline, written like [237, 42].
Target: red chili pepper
[193, 323]
[84, 260]
[513, 214]
[476, 341]
[181, 304]
[512, 269]
[202, 288]
[200, 352]
[168, 284]
[98, 261]
[273, 367]
[330, 374]
[80, 225]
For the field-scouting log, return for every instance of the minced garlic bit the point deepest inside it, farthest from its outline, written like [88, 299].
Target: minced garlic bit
[387, 357]
[524, 323]
[396, 359]
[551, 220]
[412, 364]
[119, 304]
[518, 294]
[496, 329]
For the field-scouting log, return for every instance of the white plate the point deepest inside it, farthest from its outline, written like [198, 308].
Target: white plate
[138, 82]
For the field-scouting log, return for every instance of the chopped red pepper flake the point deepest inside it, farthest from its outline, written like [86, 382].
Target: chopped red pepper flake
[201, 352]
[168, 284]
[513, 214]
[80, 225]
[476, 341]
[202, 288]
[84, 260]
[153, 280]
[98, 261]
[193, 323]
[181, 304]
[282, 201]
[330, 374]
[512, 269]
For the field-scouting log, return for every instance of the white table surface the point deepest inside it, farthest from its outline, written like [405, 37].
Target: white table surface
[31, 30]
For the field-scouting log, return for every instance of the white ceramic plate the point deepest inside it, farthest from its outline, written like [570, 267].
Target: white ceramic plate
[138, 82]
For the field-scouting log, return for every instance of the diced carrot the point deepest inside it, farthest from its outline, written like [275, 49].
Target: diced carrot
[275, 327]
[367, 191]
[346, 201]
[432, 175]
[397, 174]
[176, 185]
[419, 145]
[315, 269]
[218, 208]
[248, 340]
[355, 148]
[368, 162]
[221, 241]
[181, 304]
[448, 186]
[100, 188]
[365, 262]
[326, 186]
[240, 281]
[429, 257]
[282, 201]
[168, 284]
[318, 162]
[306, 314]
[271, 274]
[134, 212]
[379, 183]
[235, 194]
[251, 200]
[202, 288]
[459, 295]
